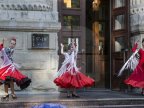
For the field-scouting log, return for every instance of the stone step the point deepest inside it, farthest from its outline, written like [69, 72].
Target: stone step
[81, 103]
[110, 106]
[90, 99]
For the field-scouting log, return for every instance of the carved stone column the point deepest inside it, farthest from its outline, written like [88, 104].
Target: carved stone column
[137, 20]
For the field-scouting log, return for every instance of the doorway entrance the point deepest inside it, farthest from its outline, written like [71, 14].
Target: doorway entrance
[107, 41]
[98, 42]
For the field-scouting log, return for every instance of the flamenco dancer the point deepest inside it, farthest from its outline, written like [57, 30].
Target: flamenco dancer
[135, 63]
[9, 72]
[69, 76]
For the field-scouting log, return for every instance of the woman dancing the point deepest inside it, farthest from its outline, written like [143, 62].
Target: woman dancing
[9, 72]
[136, 79]
[69, 76]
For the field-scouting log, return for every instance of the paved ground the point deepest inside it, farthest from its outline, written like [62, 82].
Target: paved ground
[88, 99]
[84, 95]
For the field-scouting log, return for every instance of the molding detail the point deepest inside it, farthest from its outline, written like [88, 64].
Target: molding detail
[137, 10]
[26, 5]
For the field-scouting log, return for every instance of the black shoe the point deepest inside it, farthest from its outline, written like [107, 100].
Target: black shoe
[5, 98]
[13, 96]
[75, 95]
[68, 96]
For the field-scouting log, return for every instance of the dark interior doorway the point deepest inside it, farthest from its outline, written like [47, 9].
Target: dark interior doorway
[98, 42]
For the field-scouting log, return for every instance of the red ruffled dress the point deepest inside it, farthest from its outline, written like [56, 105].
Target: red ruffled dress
[9, 71]
[69, 75]
[136, 79]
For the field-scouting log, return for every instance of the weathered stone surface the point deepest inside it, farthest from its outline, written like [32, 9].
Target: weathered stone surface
[35, 5]
[29, 14]
[43, 80]
[137, 20]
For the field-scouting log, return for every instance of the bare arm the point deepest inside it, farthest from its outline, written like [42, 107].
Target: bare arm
[62, 49]
[135, 46]
[76, 48]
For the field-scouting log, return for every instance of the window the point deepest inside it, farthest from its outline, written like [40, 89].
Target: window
[119, 22]
[119, 44]
[40, 40]
[71, 3]
[71, 22]
[119, 3]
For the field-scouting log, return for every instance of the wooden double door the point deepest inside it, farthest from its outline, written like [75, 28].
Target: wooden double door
[109, 43]
[120, 36]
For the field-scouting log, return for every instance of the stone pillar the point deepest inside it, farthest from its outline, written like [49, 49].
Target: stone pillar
[137, 20]
[22, 19]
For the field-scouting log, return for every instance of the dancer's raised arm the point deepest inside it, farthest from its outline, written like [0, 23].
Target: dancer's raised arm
[135, 46]
[62, 49]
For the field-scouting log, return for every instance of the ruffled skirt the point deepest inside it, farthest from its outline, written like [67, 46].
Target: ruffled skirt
[136, 79]
[9, 73]
[76, 80]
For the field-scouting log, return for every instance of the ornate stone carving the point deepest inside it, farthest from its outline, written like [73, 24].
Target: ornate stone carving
[30, 5]
[137, 14]
[137, 19]
[33, 14]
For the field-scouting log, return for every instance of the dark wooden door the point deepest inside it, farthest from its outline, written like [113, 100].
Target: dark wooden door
[72, 18]
[98, 45]
[119, 40]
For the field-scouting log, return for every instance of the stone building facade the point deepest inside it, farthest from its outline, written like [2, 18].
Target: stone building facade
[27, 20]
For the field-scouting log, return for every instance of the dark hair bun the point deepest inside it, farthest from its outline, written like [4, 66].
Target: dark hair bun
[13, 38]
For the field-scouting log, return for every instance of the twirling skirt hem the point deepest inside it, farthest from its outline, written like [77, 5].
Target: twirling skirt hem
[78, 80]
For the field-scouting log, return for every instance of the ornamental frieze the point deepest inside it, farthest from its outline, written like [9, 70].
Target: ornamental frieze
[26, 5]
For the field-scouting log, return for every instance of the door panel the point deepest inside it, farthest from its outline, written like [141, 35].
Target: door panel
[119, 40]
[100, 43]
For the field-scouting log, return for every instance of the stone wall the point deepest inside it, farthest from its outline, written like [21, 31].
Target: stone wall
[137, 20]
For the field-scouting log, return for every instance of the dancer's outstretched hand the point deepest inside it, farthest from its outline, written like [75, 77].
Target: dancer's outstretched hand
[62, 45]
